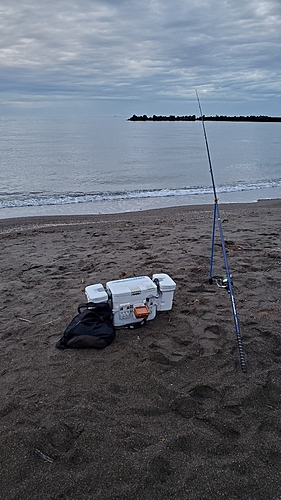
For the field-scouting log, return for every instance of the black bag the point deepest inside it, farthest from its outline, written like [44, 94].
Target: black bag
[92, 327]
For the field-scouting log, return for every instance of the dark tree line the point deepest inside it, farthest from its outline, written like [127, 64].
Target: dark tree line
[160, 118]
[192, 118]
[251, 118]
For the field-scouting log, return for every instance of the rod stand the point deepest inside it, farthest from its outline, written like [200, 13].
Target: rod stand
[218, 219]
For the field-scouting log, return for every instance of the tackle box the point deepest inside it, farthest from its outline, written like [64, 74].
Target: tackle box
[136, 299]
[133, 300]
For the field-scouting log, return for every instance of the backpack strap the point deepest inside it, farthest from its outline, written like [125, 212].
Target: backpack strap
[91, 305]
[85, 305]
[102, 310]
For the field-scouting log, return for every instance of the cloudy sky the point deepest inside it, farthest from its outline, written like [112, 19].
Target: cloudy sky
[122, 57]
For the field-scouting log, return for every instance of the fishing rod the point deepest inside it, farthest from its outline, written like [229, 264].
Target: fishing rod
[218, 218]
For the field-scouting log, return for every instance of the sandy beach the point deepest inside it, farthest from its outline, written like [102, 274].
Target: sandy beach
[165, 412]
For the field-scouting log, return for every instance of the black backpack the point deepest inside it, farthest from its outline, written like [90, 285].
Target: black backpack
[92, 327]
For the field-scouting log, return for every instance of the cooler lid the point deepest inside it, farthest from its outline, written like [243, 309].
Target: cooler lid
[132, 286]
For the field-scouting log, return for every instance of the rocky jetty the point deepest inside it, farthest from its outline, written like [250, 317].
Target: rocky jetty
[192, 118]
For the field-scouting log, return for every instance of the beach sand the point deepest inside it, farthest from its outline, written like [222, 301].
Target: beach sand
[165, 411]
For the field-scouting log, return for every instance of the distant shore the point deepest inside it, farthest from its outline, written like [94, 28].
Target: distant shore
[193, 118]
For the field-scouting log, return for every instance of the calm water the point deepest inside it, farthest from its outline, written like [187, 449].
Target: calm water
[107, 165]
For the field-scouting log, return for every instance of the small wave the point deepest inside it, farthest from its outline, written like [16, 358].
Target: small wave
[40, 199]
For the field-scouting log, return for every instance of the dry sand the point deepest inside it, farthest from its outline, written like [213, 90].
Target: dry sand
[165, 412]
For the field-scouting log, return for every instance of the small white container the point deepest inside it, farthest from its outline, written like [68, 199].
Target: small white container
[96, 293]
[167, 287]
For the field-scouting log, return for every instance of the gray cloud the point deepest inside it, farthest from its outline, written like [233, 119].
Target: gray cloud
[142, 52]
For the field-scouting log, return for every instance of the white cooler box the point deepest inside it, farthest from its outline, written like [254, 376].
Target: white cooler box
[133, 300]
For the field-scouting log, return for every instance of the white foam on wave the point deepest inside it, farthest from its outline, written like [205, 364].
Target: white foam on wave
[17, 200]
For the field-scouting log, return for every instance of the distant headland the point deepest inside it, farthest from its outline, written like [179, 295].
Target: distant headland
[193, 118]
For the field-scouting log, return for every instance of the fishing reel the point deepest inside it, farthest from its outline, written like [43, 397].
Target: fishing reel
[221, 282]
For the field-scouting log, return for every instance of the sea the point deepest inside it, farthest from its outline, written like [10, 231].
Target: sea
[104, 165]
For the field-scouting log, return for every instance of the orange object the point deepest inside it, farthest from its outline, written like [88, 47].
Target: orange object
[141, 312]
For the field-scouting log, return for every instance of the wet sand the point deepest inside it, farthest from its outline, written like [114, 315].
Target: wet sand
[165, 411]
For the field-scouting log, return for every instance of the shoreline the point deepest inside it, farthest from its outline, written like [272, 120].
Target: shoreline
[75, 219]
[140, 204]
[165, 411]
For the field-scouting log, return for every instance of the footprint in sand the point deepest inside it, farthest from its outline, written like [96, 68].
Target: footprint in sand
[211, 340]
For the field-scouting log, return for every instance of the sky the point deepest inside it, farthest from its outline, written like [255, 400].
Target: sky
[125, 57]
